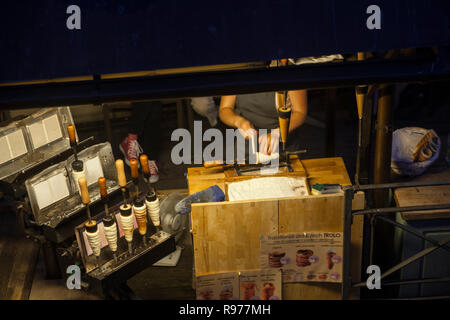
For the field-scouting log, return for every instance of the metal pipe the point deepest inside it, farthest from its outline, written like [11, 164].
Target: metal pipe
[402, 209]
[383, 142]
[429, 280]
[384, 233]
[413, 231]
[366, 138]
[358, 152]
[404, 282]
[400, 185]
[425, 298]
[414, 258]
[360, 94]
[346, 277]
[372, 238]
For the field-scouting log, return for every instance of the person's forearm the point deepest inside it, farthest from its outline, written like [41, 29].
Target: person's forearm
[297, 119]
[231, 119]
[299, 99]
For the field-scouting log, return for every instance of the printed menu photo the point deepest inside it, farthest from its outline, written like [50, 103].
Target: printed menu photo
[260, 285]
[219, 286]
[304, 257]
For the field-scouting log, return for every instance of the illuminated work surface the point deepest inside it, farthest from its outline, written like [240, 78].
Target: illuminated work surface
[323, 170]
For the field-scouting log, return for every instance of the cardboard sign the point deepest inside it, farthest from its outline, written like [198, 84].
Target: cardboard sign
[260, 285]
[245, 285]
[305, 257]
[219, 286]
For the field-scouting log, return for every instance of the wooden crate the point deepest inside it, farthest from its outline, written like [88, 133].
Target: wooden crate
[226, 235]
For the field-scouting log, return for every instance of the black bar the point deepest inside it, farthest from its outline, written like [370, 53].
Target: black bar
[346, 278]
[425, 298]
[413, 231]
[413, 258]
[400, 185]
[310, 76]
[366, 139]
[404, 282]
[403, 209]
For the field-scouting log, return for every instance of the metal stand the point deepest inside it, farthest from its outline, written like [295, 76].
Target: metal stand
[380, 213]
[286, 163]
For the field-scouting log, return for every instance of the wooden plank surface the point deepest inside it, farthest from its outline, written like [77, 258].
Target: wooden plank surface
[18, 257]
[226, 235]
[312, 214]
[200, 178]
[21, 278]
[323, 213]
[417, 196]
[55, 289]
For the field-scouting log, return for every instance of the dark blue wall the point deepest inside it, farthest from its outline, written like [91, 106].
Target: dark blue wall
[122, 36]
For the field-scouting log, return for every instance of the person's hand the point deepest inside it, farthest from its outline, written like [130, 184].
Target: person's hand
[269, 143]
[245, 128]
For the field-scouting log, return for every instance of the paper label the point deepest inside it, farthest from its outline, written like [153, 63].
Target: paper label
[305, 257]
[260, 285]
[219, 286]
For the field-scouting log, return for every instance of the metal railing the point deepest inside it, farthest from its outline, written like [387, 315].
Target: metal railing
[379, 213]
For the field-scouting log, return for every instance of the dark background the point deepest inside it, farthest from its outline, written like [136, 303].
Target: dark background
[123, 36]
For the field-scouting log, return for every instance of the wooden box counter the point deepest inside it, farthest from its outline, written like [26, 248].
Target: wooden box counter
[226, 235]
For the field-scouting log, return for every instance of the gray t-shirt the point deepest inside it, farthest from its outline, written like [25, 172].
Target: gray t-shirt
[259, 109]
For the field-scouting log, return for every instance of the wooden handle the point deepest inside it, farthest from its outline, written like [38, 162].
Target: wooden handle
[280, 99]
[284, 116]
[360, 104]
[144, 164]
[71, 132]
[84, 190]
[134, 168]
[360, 97]
[212, 164]
[102, 186]
[122, 179]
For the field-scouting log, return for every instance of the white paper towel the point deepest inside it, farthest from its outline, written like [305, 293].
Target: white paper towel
[268, 187]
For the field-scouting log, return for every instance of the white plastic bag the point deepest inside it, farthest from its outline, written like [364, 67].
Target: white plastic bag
[414, 150]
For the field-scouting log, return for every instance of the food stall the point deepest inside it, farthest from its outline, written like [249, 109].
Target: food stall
[97, 52]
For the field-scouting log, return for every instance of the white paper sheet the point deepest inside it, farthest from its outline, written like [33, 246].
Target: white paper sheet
[265, 188]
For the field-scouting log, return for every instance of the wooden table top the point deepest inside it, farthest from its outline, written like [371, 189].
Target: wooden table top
[322, 170]
[417, 196]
